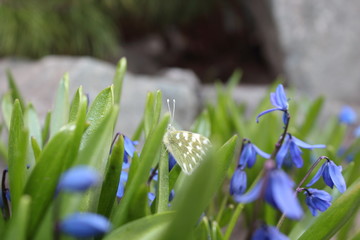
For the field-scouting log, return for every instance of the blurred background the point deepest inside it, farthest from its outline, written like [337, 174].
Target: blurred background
[313, 45]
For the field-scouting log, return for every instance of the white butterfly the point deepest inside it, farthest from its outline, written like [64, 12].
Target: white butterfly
[187, 148]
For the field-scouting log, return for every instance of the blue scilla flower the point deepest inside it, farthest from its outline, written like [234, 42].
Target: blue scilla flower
[85, 225]
[347, 115]
[268, 233]
[331, 175]
[248, 155]
[317, 200]
[122, 182]
[277, 190]
[129, 147]
[238, 182]
[78, 179]
[291, 146]
[279, 100]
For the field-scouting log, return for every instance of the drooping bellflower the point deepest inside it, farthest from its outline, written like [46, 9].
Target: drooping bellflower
[277, 191]
[332, 176]
[291, 146]
[85, 225]
[279, 100]
[268, 233]
[238, 182]
[78, 179]
[317, 200]
[249, 153]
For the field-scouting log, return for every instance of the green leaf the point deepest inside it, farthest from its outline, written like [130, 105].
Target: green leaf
[60, 114]
[45, 133]
[75, 104]
[43, 180]
[147, 228]
[163, 179]
[15, 92]
[151, 147]
[36, 149]
[330, 221]
[112, 178]
[33, 124]
[194, 192]
[119, 79]
[18, 142]
[18, 223]
[99, 109]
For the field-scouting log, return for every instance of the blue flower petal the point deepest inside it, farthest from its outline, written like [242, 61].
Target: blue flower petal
[245, 154]
[317, 176]
[78, 179]
[275, 234]
[281, 97]
[267, 111]
[238, 182]
[326, 176]
[284, 195]
[85, 225]
[280, 156]
[268, 233]
[252, 195]
[320, 204]
[347, 115]
[302, 144]
[337, 177]
[296, 155]
[261, 153]
[311, 206]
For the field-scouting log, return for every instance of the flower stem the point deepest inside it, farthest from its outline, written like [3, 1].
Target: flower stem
[282, 138]
[6, 210]
[299, 189]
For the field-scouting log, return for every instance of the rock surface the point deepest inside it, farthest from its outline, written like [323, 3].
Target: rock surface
[315, 43]
[38, 81]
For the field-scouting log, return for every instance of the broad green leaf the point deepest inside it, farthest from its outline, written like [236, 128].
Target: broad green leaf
[149, 114]
[151, 147]
[112, 178]
[147, 228]
[98, 111]
[7, 108]
[194, 192]
[60, 114]
[119, 79]
[15, 92]
[139, 207]
[43, 180]
[18, 143]
[18, 224]
[75, 104]
[330, 221]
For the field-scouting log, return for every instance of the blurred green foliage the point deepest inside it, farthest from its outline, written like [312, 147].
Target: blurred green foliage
[35, 28]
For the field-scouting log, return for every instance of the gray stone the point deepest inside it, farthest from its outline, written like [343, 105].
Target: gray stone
[38, 81]
[315, 43]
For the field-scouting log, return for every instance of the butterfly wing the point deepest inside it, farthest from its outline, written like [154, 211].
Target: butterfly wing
[187, 148]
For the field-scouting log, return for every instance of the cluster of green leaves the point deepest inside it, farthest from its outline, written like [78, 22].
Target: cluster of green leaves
[36, 28]
[75, 133]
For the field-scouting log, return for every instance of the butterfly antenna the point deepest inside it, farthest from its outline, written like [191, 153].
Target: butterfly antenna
[171, 113]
